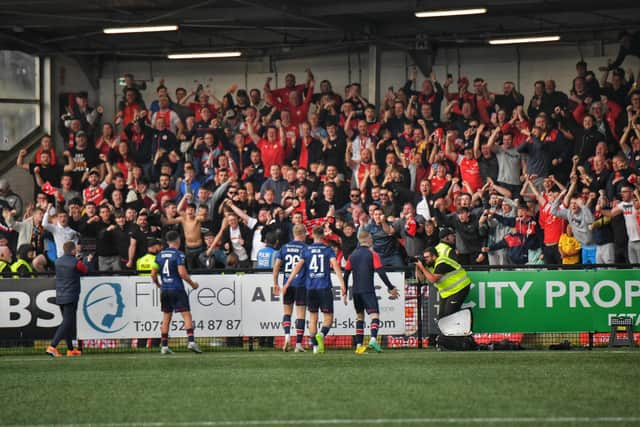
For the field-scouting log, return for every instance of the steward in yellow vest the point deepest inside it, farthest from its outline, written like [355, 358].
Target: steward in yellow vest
[445, 273]
[148, 261]
[4, 267]
[452, 283]
[22, 266]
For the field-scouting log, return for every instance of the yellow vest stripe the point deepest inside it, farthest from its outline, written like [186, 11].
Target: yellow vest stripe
[454, 281]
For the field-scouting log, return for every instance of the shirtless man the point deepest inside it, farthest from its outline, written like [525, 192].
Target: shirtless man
[191, 226]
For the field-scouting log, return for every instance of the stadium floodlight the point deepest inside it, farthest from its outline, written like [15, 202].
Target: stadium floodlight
[451, 12]
[525, 40]
[204, 55]
[147, 29]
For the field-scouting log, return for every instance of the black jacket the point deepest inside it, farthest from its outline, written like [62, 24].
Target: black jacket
[68, 271]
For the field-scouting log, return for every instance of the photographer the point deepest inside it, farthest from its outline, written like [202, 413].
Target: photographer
[452, 282]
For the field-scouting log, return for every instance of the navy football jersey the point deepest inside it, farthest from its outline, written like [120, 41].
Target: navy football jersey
[168, 261]
[289, 255]
[363, 262]
[319, 266]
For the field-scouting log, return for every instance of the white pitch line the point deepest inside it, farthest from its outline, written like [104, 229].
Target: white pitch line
[104, 356]
[374, 421]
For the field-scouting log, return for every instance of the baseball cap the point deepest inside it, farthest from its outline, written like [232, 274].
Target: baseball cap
[152, 241]
[444, 232]
[80, 133]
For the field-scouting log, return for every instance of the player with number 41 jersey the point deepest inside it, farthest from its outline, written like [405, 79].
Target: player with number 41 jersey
[320, 260]
[287, 257]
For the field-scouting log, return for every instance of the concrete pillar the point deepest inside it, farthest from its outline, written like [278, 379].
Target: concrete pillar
[373, 94]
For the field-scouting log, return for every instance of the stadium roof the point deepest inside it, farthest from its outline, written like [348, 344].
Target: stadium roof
[295, 28]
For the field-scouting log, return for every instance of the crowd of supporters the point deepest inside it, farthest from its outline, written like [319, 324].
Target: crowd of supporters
[547, 180]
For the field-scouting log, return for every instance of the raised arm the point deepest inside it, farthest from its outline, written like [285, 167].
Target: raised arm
[493, 137]
[449, 152]
[624, 144]
[572, 188]
[241, 214]
[252, 133]
[535, 191]
[476, 141]
[218, 239]
[36, 174]
[71, 164]
[20, 160]
[347, 125]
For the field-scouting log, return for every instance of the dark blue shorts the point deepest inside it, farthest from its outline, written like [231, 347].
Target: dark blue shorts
[320, 299]
[368, 302]
[177, 301]
[297, 295]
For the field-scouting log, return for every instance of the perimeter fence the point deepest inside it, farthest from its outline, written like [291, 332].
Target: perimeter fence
[514, 307]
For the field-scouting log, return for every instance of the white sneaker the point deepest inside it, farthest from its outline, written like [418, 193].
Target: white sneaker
[194, 347]
[315, 349]
[166, 351]
[299, 349]
[287, 343]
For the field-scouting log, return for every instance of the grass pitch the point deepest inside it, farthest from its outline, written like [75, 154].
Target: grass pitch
[397, 387]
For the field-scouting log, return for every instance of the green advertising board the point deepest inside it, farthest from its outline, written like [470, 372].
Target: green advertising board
[552, 301]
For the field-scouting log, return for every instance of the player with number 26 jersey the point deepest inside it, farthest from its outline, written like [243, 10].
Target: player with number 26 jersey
[287, 258]
[289, 255]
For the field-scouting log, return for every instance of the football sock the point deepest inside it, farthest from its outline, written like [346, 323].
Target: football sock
[190, 335]
[325, 331]
[299, 330]
[375, 323]
[165, 340]
[286, 324]
[359, 332]
[314, 341]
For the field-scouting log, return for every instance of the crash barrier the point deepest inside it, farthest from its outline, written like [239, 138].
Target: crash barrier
[533, 308]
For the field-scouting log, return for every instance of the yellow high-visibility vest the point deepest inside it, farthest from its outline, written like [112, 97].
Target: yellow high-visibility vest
[454, 281]
[20, 263]
[145, 264]
[3, 266]
[443, 249]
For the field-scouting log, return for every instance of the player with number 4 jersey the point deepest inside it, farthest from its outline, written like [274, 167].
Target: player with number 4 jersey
[319, 261]
[168, 274]
[287, 258]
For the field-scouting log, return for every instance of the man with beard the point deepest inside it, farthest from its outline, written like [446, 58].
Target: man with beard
[83, 157]
[44, 169]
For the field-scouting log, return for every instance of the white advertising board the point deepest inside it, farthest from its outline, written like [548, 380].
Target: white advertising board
[127, 307]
